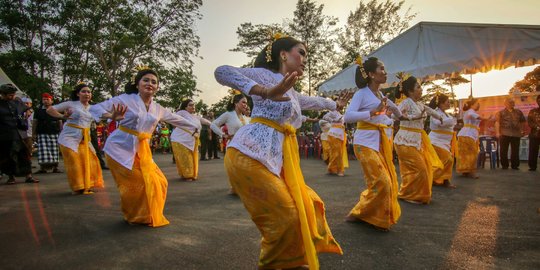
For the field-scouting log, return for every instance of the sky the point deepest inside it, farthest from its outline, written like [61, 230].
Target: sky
[221, 18]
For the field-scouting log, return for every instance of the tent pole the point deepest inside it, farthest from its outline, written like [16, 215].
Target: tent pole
[471, 87]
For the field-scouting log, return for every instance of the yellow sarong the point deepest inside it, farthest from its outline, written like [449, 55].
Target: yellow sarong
[467, 156]
[325, 150]
[187, 161]
[335, 156]
[309, 208]
[416, 174]
[76, 168]
[439, 175]
[86, 156]
[143, 189]
[272, 208]
[378, 204]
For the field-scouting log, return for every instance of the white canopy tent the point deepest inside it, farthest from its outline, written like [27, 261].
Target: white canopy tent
[434, 50]
[4, 79]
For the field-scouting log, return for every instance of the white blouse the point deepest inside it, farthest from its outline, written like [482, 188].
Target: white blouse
[122, 146]
[71, 137]
[260, 141]
[187, 139]
[470, 117]
[335, 118]
[359, 109]
[442, 140]
[412, 109]
[325, 128]
[231, 119]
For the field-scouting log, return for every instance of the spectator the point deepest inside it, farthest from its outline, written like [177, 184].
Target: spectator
[509, 129]
[213, 147]
[534, 137]
[14, 155]
[46, 130]
[205, 137]
[29, 116]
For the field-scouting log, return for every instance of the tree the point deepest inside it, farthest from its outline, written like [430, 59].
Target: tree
[317, 32]
[370, 26]
[530, 82]
[201, 107]
[253, 38]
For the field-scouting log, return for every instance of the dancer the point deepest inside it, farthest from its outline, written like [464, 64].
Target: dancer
[378, 204]
[185, 142]
[234, 118]
[262, 159]
[338, 159]
[80, 160]
[142, 185]
[417, 158]
[325, 128]
[468, 144]
[443, 138]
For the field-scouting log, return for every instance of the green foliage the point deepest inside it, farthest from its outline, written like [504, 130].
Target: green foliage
[371, 25]
[530, 82]
[64, 41]
[253, 38]
[317, 31]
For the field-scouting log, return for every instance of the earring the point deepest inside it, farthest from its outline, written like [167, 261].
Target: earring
[284, 59]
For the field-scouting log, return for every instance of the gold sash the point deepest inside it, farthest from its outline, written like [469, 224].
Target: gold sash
[386, 149]
[86, 140]
[345, 156]
[429, 152]
[295, 182]
[472, 126]
[453, 143]
[148, 169]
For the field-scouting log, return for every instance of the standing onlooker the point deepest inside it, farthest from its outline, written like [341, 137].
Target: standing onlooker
[213, 147]
[509, 129]
[534, 137]
[205, 137]
[14, 155]
[46, 130]
[29, 116]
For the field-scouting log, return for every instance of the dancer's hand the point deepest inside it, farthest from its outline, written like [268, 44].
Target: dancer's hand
[343, 99]
[118, 112]
[276, 93]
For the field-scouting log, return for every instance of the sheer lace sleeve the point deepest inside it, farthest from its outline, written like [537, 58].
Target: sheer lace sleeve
[242, 79]
[218, 123]
[315, 103]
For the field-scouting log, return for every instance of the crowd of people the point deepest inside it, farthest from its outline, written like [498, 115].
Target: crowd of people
[262, 146]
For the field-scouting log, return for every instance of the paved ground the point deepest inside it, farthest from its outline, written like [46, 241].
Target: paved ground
[489, 223]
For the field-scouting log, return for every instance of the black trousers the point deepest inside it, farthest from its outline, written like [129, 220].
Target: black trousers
[214, 146]
[15, 158]
[513, 142]
[205, 144]
[534, 145]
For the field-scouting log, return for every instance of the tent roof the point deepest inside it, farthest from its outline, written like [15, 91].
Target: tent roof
[4, 79]
[434, 50]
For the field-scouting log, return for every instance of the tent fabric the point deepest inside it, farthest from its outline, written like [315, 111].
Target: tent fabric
[4, 79]
[434, 50]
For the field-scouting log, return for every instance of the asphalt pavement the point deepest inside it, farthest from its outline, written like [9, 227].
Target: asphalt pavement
[489, 223]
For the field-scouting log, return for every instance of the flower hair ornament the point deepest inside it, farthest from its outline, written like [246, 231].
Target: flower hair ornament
[81, 83]
[360, 64]
[233, 93]
[184, 99]
[137, 69]
[402, 76]
[273, 38]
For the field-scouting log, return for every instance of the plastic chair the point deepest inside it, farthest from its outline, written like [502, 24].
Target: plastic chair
[489, 148]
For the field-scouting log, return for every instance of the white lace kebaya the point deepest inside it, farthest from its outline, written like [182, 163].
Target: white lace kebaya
[438, 139]
[362, 102]
[259, 141]
[71, 137]
[186, 135]
[412, 110]
[122, 146]
[232, 120]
